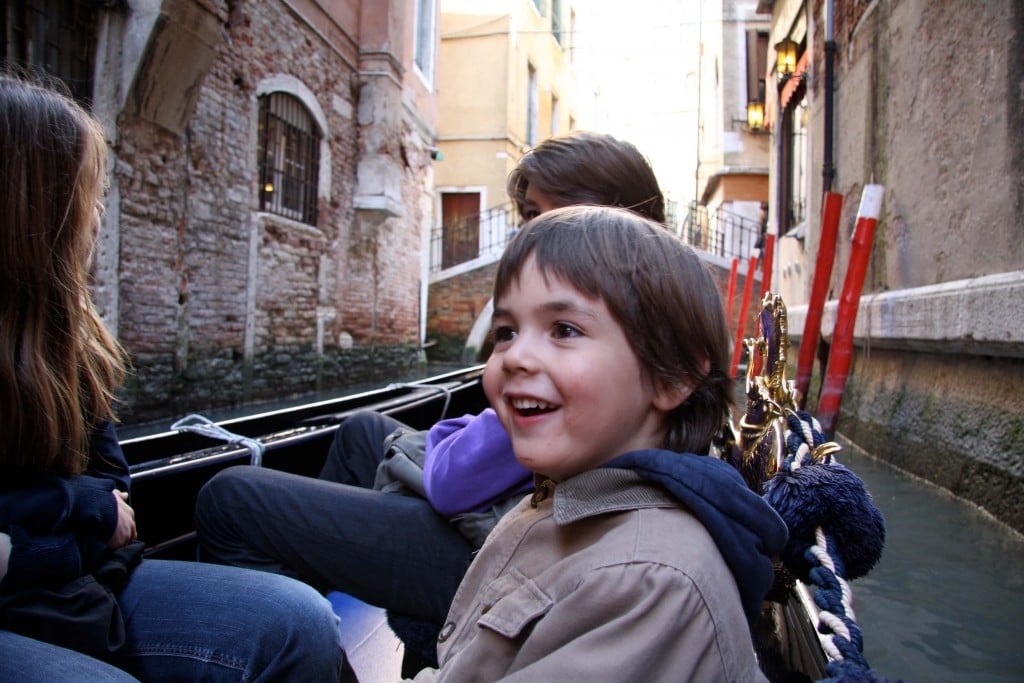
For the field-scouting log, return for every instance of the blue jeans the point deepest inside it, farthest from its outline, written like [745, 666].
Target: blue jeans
[32, 661]
[335, 532]
[190, 621]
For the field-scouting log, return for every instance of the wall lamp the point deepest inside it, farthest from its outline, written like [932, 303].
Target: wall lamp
[755, 115]
[785, 57]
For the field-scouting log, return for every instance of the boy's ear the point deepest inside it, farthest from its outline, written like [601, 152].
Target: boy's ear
[668, 397]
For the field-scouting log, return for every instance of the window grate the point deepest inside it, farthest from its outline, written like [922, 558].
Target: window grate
[54, 36]
[289, 158]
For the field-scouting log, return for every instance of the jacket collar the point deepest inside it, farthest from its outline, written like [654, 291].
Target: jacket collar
[599, 491]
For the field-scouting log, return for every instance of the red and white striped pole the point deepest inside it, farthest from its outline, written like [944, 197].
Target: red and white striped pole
[830, 212]
[841, 354]
[741, 323]
[731, 292]
[767, 263]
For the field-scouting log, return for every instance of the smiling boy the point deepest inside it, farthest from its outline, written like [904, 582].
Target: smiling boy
[635, 558]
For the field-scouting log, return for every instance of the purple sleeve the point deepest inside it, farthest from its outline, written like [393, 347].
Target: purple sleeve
[469, 465]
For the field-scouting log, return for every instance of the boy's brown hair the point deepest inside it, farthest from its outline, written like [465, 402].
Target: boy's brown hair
[659, 292]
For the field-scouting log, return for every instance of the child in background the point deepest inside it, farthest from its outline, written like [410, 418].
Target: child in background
[402, 552]
[77, 601]
[634, 559]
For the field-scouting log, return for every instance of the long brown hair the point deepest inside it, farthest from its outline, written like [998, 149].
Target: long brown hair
[589, 168]
[59, 366]
[657, 289]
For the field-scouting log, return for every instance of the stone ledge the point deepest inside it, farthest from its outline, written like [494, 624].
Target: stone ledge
[979, 316]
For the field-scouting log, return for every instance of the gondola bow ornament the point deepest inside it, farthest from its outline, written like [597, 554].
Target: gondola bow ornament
[835, 531]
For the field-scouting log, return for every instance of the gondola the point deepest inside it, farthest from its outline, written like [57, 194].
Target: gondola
[802, 636]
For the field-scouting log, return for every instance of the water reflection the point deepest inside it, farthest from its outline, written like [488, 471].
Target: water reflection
[946, 602]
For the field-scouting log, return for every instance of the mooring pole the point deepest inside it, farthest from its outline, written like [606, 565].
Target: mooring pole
[830, 212]
[748, 287]
[767, 263]
[841, 354]
[731, 291]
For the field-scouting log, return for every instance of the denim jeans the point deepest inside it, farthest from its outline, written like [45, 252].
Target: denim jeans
[189, 621]
[335, 532]
[32, 661]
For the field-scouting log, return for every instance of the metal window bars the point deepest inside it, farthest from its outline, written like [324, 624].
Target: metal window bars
[289, 148]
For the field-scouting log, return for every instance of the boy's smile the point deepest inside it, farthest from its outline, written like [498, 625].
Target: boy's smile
[564, 381]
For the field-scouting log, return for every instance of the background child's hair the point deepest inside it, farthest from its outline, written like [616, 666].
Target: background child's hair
[59, 367]
[659, 292]
[589, 168]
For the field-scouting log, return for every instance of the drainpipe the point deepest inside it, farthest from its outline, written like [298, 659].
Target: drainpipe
[828, 170]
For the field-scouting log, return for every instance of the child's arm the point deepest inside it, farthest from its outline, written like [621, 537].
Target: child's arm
[470, 466]
[59, 526]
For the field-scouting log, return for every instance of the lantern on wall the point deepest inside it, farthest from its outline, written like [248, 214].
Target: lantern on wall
[785, 57]
[755, 115]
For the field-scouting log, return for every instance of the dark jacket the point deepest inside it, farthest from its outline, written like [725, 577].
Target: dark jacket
[59, 526]
[62, 580]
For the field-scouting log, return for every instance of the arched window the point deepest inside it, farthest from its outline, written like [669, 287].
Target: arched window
[289, 149]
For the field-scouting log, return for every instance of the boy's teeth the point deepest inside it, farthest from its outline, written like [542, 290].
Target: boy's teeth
[529, 404]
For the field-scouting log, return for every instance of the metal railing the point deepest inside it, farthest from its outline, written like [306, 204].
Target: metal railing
[482, 237]
[723, 233]
[470, 238]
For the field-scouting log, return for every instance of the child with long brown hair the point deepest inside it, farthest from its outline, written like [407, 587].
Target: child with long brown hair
[77, 600]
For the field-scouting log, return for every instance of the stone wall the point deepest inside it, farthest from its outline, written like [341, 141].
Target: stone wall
[220, 304]
[454, 305]
[943, 418]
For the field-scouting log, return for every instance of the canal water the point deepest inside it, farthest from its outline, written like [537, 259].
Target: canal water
[946, 601]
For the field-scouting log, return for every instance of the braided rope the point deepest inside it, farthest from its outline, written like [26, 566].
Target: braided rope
[843, 641]
[198, 424]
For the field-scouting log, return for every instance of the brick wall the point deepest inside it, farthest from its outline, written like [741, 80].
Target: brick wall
[453, 305]
[222, 305]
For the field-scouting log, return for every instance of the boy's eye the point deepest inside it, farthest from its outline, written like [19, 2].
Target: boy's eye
[565, 331]
[503, 333]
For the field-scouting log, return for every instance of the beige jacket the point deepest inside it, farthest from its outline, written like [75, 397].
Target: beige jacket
[609, 579]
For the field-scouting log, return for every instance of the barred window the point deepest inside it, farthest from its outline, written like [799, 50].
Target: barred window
[289, 149]
[58, 37]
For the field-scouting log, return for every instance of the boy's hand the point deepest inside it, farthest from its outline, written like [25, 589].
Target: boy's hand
[124, 532]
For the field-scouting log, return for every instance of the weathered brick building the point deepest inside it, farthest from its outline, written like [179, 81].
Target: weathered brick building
[270, 192]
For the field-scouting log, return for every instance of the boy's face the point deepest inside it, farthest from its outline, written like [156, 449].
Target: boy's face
[564, 380]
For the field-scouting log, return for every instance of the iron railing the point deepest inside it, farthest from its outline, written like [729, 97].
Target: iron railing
[723, 233]
[478, 237]
[482, 237]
